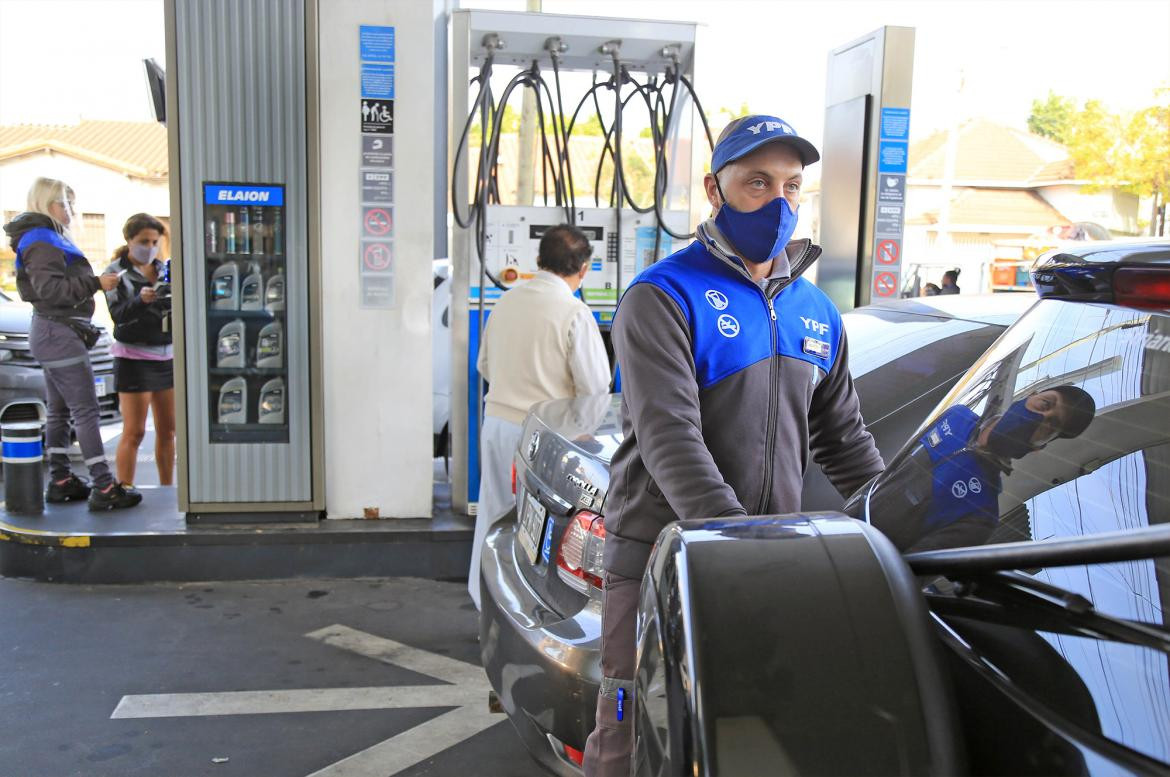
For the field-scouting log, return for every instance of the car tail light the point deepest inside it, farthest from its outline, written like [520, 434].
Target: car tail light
[1140, 287]
[566, 753]
[579, 559]
[575, 755]
[513, 478]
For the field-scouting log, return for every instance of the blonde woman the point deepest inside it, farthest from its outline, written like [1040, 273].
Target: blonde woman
[56, 279]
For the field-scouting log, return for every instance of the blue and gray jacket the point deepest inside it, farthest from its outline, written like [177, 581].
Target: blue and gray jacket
[726, 387]
[51, 272]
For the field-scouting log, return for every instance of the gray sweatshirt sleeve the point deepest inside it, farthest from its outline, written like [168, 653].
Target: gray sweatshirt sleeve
[45, 266]
[651, 339]
[838, 438]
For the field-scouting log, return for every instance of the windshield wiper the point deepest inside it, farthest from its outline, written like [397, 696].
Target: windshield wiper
[1020, 600]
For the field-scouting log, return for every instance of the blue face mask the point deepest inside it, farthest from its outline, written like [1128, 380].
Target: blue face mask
[1011, 437]
[761, 234]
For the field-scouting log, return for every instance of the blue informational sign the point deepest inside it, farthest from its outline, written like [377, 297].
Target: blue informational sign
[895, 124]
[892, 156]
[242, 194]
[378, 81]
[377, 43]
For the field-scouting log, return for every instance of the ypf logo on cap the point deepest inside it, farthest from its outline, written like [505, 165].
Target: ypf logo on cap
[750, 132]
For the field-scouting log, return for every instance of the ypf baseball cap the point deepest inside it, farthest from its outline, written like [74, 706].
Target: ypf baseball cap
[746, 134]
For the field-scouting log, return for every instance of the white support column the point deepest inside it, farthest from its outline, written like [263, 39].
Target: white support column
[377, 361]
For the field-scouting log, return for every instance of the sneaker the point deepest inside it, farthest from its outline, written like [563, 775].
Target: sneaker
[73, 489]
[113, 498]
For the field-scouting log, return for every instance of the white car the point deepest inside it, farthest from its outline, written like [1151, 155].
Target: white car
[441, 354]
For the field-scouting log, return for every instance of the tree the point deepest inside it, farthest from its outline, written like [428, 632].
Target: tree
[1131, 153]
[1052, 117]
[590, 125]
[1144, 160]
[1093, 137]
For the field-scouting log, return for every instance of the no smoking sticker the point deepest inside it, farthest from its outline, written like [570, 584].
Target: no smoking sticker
[377, 222]
[885, 284]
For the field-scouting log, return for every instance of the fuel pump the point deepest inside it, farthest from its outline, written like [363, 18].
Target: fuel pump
[631, 65]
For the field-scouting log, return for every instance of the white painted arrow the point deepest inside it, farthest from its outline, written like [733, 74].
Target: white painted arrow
[467, 693]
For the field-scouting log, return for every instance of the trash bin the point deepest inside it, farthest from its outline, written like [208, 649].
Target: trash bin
[24, 479]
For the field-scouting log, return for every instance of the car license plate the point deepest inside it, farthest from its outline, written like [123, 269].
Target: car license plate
[531, 526]
[99, 385]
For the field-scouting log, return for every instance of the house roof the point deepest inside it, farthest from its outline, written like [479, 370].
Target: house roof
[1007, 208]
[137, 148]
[986, 151]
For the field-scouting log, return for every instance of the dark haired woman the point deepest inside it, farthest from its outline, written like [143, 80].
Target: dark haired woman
[143, 359]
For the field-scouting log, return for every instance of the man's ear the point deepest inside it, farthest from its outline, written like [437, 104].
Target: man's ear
[584, 269]
[712, 192]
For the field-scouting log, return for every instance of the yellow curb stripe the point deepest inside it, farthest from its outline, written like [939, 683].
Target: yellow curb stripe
[9, 533]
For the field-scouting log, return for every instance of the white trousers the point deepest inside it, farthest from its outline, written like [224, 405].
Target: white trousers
[498, 440]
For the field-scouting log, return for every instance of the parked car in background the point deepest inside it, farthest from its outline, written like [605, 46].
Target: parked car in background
[441, 355]
[1012, 265]
[541, 574]
[1024, 631]
[22, 381]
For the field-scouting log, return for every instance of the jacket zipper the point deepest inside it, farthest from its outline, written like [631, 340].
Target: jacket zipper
[798, 267]
[773, 384]
[773, 392]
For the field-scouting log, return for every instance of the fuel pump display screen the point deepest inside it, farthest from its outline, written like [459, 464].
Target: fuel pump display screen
[244, 289]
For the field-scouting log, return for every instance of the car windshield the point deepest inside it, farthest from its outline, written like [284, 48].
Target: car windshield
[890, 351]
[1061, 430]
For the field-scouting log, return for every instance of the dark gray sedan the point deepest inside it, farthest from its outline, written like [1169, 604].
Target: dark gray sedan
[541, 571]
[22, 381]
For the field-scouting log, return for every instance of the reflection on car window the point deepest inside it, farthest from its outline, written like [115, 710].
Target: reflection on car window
[1062, 430]
[890, 351]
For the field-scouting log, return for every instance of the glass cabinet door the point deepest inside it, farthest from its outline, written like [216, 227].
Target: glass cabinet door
[247, 355]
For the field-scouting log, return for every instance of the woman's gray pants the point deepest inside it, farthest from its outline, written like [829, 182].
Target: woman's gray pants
[69, 384]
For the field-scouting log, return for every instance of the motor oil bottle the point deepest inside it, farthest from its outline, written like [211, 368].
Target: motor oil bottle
[274, 293]
[212, 236]
[233, 402]
[229, 345]
[258, 230]
[245, 229]
[277, 246]
[225, 287]
[229, 232]
[252, 289]
[271, 406]
[270, 346]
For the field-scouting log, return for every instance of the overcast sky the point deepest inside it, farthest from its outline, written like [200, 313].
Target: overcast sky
[768, 53]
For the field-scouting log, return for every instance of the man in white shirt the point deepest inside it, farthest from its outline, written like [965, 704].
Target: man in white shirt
[540, 342]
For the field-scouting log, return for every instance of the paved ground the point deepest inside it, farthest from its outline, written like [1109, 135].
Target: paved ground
[331, 678]
[327, 678]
